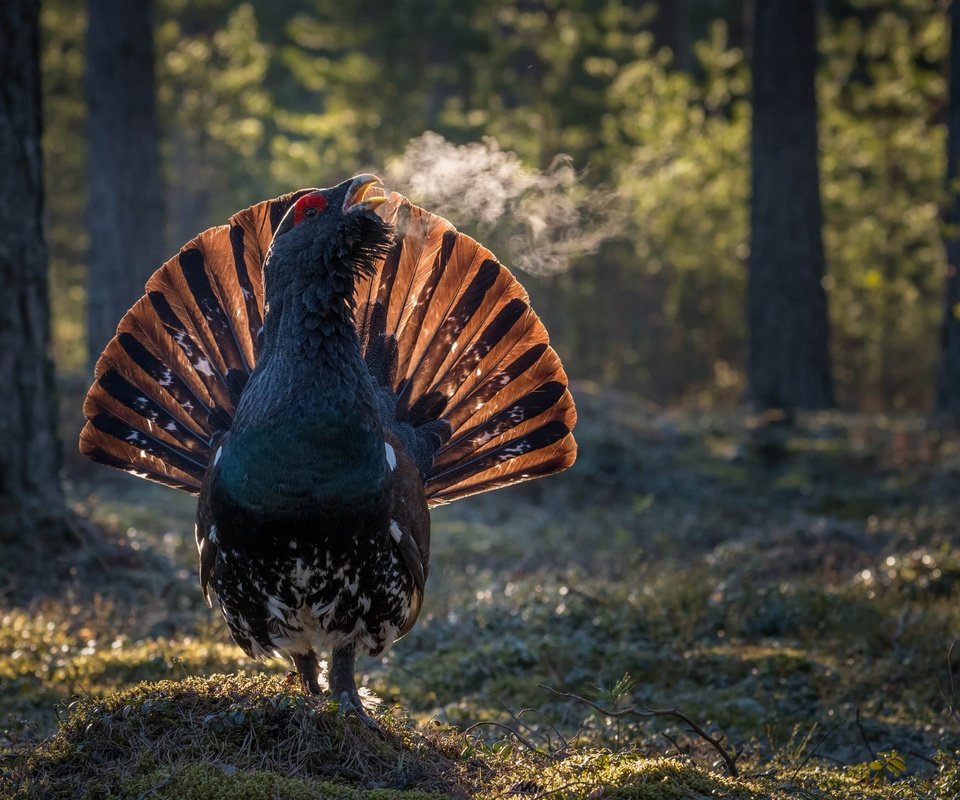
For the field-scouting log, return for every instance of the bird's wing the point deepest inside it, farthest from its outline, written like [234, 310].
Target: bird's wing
[409, 520]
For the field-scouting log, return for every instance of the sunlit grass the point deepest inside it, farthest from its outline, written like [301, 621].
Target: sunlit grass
[802, 608]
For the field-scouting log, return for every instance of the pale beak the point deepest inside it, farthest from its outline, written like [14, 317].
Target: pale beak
[366, 192]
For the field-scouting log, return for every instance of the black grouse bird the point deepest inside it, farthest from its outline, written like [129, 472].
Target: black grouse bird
[321, 371]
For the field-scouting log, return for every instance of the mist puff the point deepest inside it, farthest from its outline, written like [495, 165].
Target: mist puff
[538, 221]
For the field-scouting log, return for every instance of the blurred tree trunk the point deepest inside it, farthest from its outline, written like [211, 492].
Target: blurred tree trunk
[789, 363]
[669, 30]
[126, 194]
[34, 522]
[948, 378]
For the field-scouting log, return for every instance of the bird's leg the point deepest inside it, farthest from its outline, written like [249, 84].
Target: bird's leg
[344, 688]
[309, 668]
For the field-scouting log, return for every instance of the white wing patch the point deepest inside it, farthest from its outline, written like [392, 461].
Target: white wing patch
[391, 456]
[395, 531]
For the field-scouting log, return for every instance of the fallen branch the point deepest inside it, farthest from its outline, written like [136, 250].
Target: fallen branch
[730, 759]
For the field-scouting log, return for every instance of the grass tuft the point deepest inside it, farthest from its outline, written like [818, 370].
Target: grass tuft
[254, 734]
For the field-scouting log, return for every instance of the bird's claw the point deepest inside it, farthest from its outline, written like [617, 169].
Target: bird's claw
[350, 703]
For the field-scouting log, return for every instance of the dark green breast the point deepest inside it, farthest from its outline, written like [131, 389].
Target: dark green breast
[323, 465]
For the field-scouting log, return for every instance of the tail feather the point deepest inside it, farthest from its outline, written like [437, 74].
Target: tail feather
[168, 382]
[139, 400]
[189, 308]
[544, 452]
[443, 325]
[481, 368]
[489, 433]
[471, 353]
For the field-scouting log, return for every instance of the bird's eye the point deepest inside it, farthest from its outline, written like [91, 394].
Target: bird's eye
[313, 205]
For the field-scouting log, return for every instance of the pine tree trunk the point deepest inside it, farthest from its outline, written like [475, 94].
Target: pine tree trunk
[948, 377]
[669, 30]
[789, 361]
[33, 516]
[126, 195]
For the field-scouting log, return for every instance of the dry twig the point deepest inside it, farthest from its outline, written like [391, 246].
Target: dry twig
[730, 759]
[863, 736]
[816, 747]
[529, 745]
[951, 698]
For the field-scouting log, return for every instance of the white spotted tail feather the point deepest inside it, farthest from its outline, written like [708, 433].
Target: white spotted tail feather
[444, 326]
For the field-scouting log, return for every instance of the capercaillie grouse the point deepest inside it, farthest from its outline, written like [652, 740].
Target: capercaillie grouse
[322, 370]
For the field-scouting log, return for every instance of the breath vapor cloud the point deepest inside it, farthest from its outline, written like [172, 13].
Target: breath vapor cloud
[538, 221]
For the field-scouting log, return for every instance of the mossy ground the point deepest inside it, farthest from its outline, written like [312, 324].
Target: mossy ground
[797, 594]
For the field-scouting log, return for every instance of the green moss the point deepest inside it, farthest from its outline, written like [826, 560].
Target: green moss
[629, 777]
[233, 736]
[252, 726]
[201, 782]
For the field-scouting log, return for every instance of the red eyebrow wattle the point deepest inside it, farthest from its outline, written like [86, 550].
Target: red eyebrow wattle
[317, 201]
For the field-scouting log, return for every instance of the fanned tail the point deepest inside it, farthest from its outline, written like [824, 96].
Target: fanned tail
[446, 330]
[167, 384]
[451, 331]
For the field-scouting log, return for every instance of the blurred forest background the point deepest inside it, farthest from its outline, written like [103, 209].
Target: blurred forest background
[650, 105]
[793, 587]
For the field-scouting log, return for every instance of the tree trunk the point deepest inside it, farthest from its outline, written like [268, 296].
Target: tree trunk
[669, 28]
[789, 363]
[33, 516]
[126, 194]
[948, 376]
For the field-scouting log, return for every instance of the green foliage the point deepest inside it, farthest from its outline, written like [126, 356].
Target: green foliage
[63, 29]
[881, 93]
[686, 143]
[256, 102]
[216, 112]
[682, 143]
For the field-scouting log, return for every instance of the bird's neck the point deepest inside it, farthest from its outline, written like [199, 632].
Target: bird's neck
[310, 366]
[307, 428]
[311, 321]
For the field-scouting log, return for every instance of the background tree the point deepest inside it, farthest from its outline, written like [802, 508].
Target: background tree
[882, 97]
[125, 212]
[948, 383]
[253, 103]
[33, 514]
[789, 362]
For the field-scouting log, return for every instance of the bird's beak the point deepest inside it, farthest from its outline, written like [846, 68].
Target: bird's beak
[365, 192]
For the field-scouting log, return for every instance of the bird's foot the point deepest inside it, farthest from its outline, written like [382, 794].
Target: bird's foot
[343, 687]
[350, 703]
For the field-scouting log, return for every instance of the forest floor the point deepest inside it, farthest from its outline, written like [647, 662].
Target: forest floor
[796, 594]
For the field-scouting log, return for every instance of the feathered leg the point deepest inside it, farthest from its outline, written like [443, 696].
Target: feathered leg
[309, 668]
[344, 688]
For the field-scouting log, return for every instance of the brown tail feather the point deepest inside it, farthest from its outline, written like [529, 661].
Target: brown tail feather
[449, 325]
[471, 352]
[167, 383]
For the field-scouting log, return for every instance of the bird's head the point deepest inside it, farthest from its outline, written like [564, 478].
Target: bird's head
[333, 229]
